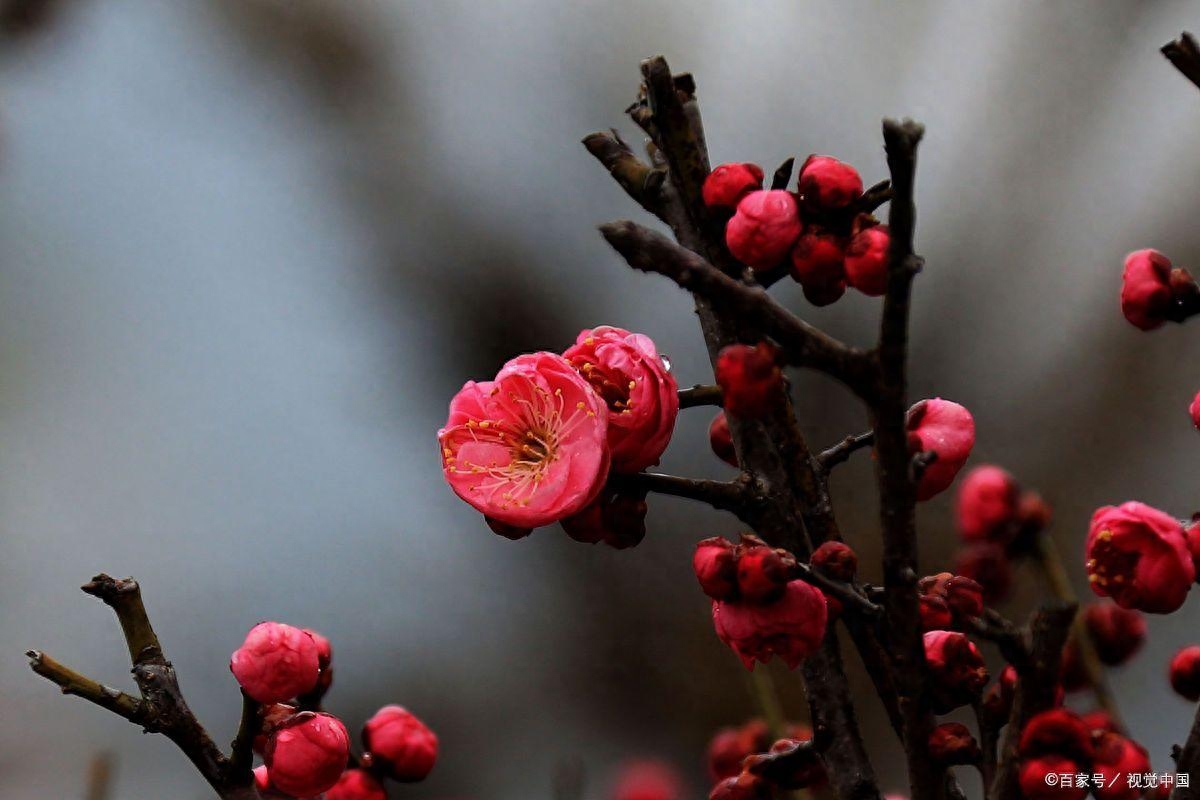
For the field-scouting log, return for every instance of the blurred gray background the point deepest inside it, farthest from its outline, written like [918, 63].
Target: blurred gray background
[249, 249]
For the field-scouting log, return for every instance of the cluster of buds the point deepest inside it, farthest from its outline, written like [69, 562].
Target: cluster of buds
[744, 763]
[997, 521]
[306, 751]
[949, 601]
[536, 444]
[760, 609]
[1060, 742]
[816, 231]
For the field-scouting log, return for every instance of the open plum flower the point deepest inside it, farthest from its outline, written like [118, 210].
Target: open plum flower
[529, 447]
[1138, 556]
[631, 377]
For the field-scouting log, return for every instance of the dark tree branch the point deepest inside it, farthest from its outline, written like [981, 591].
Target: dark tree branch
[840, 452]
[700, 396]
[988, 727]
[1009, 640]
[1184, 53]
[668, 112]
[803, 344]
[241, 757]
[736, 495]
[1037, 682]
[896, 490]
[1187, 762]
[640, 181]
[874, 197]
[161, 708]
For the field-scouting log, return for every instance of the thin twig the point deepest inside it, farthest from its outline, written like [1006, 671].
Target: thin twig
[700, 396]
[1184, 53]
[733, 495]
[241, 757]
[80, 685]
[840, 452]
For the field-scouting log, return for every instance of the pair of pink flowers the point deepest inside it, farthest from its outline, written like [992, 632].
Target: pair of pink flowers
[535, 444]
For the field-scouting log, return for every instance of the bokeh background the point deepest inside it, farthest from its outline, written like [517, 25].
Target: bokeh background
[249, 248]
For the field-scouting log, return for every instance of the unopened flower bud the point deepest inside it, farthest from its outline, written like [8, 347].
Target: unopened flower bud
[1138, 556]
[730, 746]
[648, 780]
[948, 431]
[615, 517]
[324, 662]
[1185, 672]
[750, 379]
[987, 503]
[835, 560]
[791, 627]
[721, 440]
[763, 572]
[1099, 721]
[935, 613]
[867, 260]
[800, 767]
[1146, 296]
[824, 294]
[743, 786]
[400, 744]
[1117, 632]
[817, 259]
[1194, 410]
[1060, 731]
[1119, 759]
[511, 532]
[957, 670]
[951, 743]
[988, 565]
[965, 597]
[763, 229]
[729, 183]
[307, 754]
[276, 662]
[357, 784]
[716, 564]
[826, 183]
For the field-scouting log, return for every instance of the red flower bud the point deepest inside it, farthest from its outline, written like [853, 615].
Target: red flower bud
[988, 499]
[1117, 758]
[1035, 786]
[935, 614]
[308, 754]
[357, 784]
[957, 670]
[276, 662]
[400, 744]
[1059, 731]
[824, 294]
[826, 183]
[817, 259]
[648, 780]
[721, 439]
[1117, 632]
[1138, 556]
[1146, 296]
[792, 627]
[1185, 672]
[946, 429]
[730, 746]
[764, 228]
[1072, 673]
[803, 765]
[271, 717]
[511, 532]
[1194, 410]
[716, 564]
[951, 743]
[988, 565]
[965, 597]
[744, 786]
[324, 662]
[750, 378]
[836, 560]
[729, 183]
[867, 260]
[617, 518]
[762, 573]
